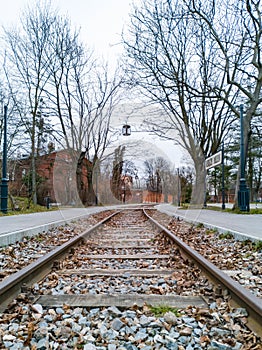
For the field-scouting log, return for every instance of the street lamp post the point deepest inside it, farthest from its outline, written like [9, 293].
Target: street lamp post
[243, 192]
[4, 183]
[178, 188]
[223, 177]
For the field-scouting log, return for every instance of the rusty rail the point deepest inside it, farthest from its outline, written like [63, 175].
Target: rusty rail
[11, 286]
[239, 294]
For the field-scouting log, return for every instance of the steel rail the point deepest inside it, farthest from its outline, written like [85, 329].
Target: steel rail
[11, 286]
[241, 296]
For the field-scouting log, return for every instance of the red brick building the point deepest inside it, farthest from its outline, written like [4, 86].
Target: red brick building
[56, 178]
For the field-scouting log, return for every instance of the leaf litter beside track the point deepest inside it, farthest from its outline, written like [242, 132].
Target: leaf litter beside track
[22, 322]
[241, 259]
[16, 256]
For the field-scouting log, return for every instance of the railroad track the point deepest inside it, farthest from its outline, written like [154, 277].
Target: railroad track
[126, 261]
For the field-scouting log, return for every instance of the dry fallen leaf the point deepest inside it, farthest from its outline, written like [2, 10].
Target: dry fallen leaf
[30, 332]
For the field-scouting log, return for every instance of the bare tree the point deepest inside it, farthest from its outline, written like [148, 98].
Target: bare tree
[28, 57]
[158, 172]
[235, 29]
[66, 86]
[172, 60]
[105, 95]
[82, 93]
[50, 64]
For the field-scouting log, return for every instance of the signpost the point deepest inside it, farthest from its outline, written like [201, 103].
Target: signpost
[213, 161]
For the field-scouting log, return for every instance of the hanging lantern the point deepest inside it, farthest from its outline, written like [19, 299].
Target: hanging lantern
[126, 130]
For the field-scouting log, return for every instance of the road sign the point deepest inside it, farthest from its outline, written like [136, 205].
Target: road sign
[214, 160]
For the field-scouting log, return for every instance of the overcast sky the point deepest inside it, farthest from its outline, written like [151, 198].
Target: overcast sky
[101, 23]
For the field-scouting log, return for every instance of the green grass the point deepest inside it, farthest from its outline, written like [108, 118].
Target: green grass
[200, 225]
[211, 231]
[22, 207]
[258, 246]
[252, 211]
[228, 210]
[226, 235]
[253, 246]
[235, 211]
[160, 310]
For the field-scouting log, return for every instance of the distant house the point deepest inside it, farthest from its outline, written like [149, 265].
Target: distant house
[56, 177]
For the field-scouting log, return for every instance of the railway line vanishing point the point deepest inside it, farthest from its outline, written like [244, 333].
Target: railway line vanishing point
[127, 283]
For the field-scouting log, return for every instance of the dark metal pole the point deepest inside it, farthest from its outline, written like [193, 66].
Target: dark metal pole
[223, 178]
[243, 192]
[205, 187]
[4, 184]
[242, 149]
[178, 188]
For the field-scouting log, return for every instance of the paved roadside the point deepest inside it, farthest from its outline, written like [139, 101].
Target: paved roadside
[13, 228]
[242, 226]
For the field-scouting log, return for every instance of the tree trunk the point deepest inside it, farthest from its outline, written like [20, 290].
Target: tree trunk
[91, 196]
[199, 188]
[33, 162]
